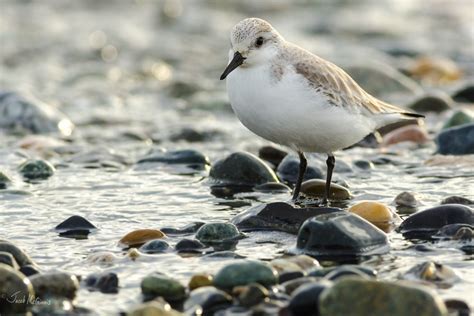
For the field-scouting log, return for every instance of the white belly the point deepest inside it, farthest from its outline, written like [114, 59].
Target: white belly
[290, 113]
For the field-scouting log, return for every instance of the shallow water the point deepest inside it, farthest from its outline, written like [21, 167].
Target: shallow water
[116, 62]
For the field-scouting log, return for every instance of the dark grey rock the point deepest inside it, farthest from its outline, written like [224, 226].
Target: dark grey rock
[189, 245]
[208, 300]
[456, 140]
[363, 164]
[340, 235]
[373, 140]
[344, 272]
[189, 157]
[55, 284]
[155, 246]
[192, 135]
[75, 227]
[107, 282]
[8, 259]
[367, 271]
[457, 200]
[244, 272]
[158, 284]
[20, 256]
[272, 187]
[20, 114]
[406, 199]
[272, 154]
[188, 229]
[432, 103]
[424, 224]
[251, 295]
[36, 169]
[4, 180]
[277, 216]
[29, 270]
[14, 284]
[241, 169]
[305, 299]
[465, 94]
[458, 307]
[455, 232]
[288, 170]
[290, 275]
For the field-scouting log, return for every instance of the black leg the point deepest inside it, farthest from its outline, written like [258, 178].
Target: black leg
[302, 170]
[330, 162]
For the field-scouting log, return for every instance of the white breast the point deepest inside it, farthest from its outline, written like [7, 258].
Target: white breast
[289, 112]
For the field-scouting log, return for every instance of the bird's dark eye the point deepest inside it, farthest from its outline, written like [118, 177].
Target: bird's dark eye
[259, 42]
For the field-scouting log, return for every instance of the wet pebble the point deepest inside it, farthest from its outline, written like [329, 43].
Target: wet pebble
[208, 300]
[406, 199]
[218, 233]
[323, 272]
[13, 283]
[455, 232]
[377, 213]
[458, 307]
[363, 164]
[200, 280]
[155, 246]
[277, 216]
[409, 133]
[55, 284]
[288, 170]
[425, 223]
[459, 118]
[192, 135]
[344, 272]
[188, 245]
[75, 227]
[107, 282]
[297, 263]
[272, 154]
[360, 297]
[305, 299]
[456, 140]
[373, 140]
[8, 259]
[20, 256]
[317, 187]
[241, 169]
[244, 272]
[250, 295]
[4, 180]
[27, 114]
[36, 169]
[159, 284]
[272, 187]
[140, 236]
[188, 229]
[340, 235]
[432, 272]
[189, 157]
[457, 200]
[157, 307]
[432, 103]
[465, 94]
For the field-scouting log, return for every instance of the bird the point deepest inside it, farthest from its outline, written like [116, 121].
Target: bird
[290, 96]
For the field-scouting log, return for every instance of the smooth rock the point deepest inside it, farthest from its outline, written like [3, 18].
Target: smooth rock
[244, 272]
[344, 272]
[459, 118]
[140, 236]
[456, 140]
[187, 229]
[406, 199]
[4, 180]
[185, 245]
[200, 280]
[289, 287]
[75, 227]
[288, 169]
[241, 169]
[155, 246]
[317, 187]
[192, 135]
[457, 200]
[457, 307]
[360, 297]
[14, 284]
[36, 169]
[380, 80]
[290, 275]
[272, 187]
[363, 164]
[305, 299]
[277, 216]
[465, 94]
[158, 284]
[250, 295]
[432, 103]
[372, 140]
[106, 282]
[55, 284]
[189, 157]
[374, 212]
[409, 133]
[20, 256]
[154, 308]
[455, 232]
[340, 235]
[433, 272]
[272, 154]
[342, 269]
[21, 114]
[426, 223]
[208, 300]
[218, 233]
[8, 259]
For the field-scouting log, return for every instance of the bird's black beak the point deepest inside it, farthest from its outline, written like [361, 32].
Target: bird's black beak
[234, 63]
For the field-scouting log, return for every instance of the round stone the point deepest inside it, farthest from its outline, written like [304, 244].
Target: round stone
[155, 246]
[245, 272]
[106, 282]
[305, 299]
[272, 154]
[190, 157]
[432, 103]
[207, 300]
[16, 291]
[4, 180]
[458, 140]
[56, 284]
[189, 245]
[217, 233]
[465, 94]
[36, 169]
[20, 256]
[458, 118]
[374, 212]
[200, 280]
[316, 188]
[159, 284]
[272, 187]
[250, 295]
[406, 199]
[289, 167]
[140, 236]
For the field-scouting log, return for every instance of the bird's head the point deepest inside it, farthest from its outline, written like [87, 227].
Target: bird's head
[253, 41]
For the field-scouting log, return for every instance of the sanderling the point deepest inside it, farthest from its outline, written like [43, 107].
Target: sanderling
[292, 97]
